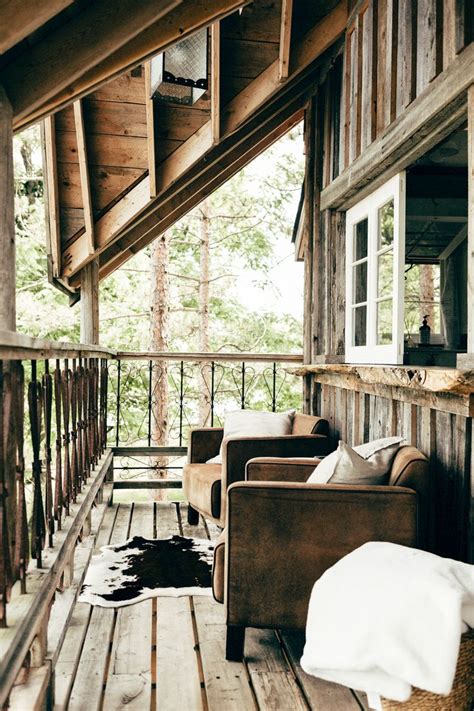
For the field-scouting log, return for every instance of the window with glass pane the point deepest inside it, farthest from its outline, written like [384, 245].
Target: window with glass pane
[375, 253]
[386, 225]
[359, 280]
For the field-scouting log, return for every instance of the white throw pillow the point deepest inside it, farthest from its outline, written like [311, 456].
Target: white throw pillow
[255, 423]
[368, 463]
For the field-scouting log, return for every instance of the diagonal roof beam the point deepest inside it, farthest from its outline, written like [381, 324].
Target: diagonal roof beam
[182, 21]
[19, 18]
[285, 38]
[77, 45]
[246, 104]
[201, 188]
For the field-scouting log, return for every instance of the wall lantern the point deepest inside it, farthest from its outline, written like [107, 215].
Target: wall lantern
[179, 75]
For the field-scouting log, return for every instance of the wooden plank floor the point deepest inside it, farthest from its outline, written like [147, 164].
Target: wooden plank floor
[168, 654]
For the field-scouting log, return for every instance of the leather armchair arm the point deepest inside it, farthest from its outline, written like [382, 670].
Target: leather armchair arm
[280, 469]
[281, 537]
[204, 443]
[236, 452]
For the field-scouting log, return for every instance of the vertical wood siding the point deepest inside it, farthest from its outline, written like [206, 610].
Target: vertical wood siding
[392, 52]
[444, 437]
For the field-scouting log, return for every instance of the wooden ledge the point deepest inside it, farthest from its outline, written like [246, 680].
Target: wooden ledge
[434, 380]
[28, 613]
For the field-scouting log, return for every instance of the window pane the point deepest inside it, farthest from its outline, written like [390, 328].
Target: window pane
[360, 326]
[360, 283]
[384, 322]
[361, 232]
[386, 225]
[385, 274]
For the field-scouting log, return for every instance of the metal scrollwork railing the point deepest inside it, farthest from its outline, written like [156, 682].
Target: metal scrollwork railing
[155, 399]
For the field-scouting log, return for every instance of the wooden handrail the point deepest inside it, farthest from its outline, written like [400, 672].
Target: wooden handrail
[216, 357]
[18, 346]
[16, 641]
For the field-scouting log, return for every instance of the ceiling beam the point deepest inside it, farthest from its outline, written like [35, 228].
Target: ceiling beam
[185, 19]
[84, 175]
[188, 198]
[53, 235]
[310, 47]
[285, 39]
[221, 164]
[260, 91]
[455, 242]
[19, 18]
[66, 53]
[150, 130]
[216, 81]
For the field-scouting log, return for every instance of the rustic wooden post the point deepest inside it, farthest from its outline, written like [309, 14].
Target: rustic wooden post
[90, 303]
[470, 237]
[7, 297]
[308, 236]
[7, 222]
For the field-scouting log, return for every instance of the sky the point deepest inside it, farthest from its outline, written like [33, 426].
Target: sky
[287, 275]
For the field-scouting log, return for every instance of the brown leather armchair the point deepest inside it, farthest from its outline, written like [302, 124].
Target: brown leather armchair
[282, 534]
[205, 485]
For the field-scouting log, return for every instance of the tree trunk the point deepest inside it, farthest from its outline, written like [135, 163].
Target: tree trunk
[159, 334]
[205, 385]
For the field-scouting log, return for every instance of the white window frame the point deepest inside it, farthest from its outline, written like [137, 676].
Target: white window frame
[392, 353]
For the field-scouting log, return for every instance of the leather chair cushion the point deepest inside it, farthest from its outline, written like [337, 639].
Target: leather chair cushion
[202, 487]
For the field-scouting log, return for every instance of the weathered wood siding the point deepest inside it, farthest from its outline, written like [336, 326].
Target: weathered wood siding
[441, 429]
[393, 50]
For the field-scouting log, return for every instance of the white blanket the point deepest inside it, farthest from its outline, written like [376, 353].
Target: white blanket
[387, 617]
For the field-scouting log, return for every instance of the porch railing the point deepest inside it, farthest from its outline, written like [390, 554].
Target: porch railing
[156, 398]
[53, 465]
[66, 412]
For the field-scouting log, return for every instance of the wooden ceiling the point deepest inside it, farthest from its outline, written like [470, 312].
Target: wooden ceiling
[122, 168]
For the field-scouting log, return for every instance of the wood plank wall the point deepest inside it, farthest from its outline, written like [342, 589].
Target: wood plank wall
[393, 50]
[438, 428]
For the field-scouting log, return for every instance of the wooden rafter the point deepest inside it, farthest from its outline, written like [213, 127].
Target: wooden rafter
[310, 47]
[223, 162]
[150, 130]
[183, 20]
[53, 226]
[19, 18]
[285, 39]
[239, 110]
[194, 194]
[84, 175]
[215, 81]
[60, 58]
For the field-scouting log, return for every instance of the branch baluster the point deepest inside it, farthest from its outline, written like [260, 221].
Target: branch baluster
[47, 411]
[80, 426]
[58, 488]
[65, 398]
[21, 550]
[6, 573]
[75, 480]
[38, 534]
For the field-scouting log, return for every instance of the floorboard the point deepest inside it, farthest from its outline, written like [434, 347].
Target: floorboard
[168, 654]
[128, 683]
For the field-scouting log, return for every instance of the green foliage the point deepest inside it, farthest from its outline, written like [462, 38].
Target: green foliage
[251, 217]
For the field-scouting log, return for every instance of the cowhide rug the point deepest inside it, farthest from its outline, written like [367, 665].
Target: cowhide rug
[142, 568]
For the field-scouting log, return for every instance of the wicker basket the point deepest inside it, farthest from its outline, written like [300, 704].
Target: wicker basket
[461, 697]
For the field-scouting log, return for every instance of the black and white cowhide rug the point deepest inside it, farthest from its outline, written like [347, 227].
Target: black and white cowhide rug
[142, 568]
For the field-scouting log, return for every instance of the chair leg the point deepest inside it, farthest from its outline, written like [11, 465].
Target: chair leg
[234, 649]
[193, 516]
